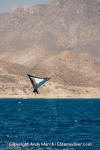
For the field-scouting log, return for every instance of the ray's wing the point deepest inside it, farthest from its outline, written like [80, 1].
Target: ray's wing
[32, 81]
[37, 82]
[41, 82]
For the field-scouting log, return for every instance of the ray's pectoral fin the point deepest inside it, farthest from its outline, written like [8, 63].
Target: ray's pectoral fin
[37, 82]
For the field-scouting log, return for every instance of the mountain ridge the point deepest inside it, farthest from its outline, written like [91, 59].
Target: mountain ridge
[60, 40]
[73, 26]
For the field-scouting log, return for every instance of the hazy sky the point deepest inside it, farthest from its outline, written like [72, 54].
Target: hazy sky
[7, 5]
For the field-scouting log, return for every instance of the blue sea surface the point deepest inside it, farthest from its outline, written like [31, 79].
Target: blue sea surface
[49, 124]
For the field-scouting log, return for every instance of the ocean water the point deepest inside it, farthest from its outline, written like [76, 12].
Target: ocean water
[49, 124]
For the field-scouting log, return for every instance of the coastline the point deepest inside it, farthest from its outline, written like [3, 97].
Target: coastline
[53, 92]
[53, 98]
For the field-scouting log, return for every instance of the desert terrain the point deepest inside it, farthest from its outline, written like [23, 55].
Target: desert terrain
[60, 40]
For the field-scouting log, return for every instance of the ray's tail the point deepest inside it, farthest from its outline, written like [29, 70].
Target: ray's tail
[36, 91]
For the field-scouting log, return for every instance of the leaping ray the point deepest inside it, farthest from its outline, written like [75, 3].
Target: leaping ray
[37, 82]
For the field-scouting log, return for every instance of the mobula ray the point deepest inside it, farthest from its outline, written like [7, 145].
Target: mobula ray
[37, 82]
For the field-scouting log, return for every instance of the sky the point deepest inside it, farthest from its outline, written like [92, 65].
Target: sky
[7, 5]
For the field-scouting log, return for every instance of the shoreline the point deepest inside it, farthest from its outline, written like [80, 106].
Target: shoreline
[30, 98]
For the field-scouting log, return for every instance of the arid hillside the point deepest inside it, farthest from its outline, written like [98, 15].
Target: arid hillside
[61, 25]
[72, 75]
[60, 40]
[70, 68]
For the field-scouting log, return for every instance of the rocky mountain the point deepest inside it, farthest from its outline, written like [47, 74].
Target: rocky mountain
[60, 40]
[70, 68]
[72, 75]
[61, 25]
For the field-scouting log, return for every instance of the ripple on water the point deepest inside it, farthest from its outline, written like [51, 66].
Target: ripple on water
[49, 121]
